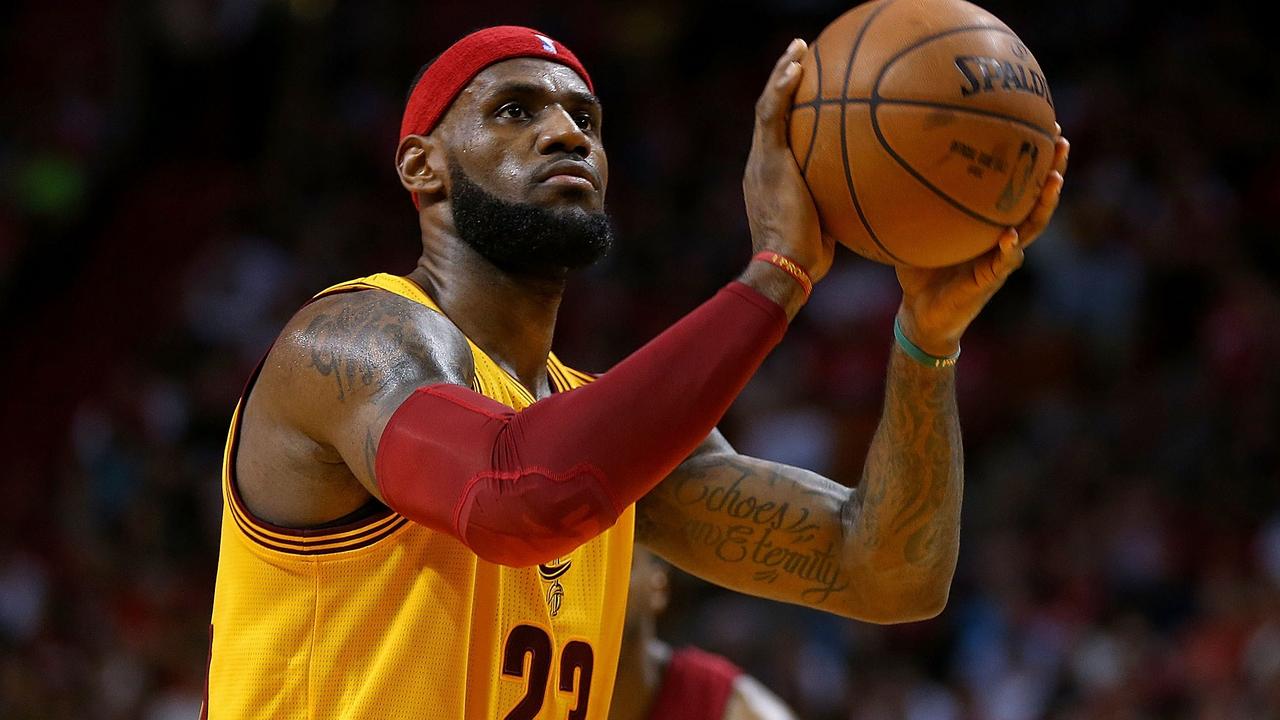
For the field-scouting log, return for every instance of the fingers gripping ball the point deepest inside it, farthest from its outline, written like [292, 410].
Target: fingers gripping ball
[923, 129]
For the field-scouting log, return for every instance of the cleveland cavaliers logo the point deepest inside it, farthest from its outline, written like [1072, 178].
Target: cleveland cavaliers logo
[552, 572]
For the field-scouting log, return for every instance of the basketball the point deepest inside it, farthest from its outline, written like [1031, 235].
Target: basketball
[923, 128]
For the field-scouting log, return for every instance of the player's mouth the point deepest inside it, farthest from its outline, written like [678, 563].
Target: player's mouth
[569, 173]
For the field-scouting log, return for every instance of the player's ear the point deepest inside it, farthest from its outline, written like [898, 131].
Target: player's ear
[420, 160]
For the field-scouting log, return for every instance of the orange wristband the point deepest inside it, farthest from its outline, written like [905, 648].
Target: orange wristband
[788, 266]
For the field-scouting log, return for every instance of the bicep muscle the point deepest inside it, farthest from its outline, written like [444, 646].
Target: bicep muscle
[354, 358]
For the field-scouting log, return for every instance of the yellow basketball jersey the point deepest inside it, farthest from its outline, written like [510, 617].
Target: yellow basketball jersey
[383, 618]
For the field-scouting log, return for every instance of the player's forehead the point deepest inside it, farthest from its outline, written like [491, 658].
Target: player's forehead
[529, 75]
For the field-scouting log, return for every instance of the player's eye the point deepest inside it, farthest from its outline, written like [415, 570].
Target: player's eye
[513, 111]
[584, 121]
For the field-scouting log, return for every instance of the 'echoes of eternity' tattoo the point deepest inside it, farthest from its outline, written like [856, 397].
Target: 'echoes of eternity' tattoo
[885, 550]
[746, 512]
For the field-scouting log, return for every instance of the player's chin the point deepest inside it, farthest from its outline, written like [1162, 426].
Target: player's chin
[560, 197]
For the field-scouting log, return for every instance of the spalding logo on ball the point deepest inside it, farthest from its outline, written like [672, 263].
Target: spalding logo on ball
[923, 128]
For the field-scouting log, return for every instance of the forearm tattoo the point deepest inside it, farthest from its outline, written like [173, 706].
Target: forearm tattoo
[732, 508]
[791, 534]
[912, 483]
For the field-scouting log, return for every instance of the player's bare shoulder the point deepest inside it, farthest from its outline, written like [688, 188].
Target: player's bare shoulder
[365, 345]
[360, 348]
[336, 373]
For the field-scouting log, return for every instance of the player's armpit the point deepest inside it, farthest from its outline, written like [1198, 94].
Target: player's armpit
[782, 533]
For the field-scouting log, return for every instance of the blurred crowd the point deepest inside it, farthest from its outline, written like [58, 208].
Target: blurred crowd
[177, 176]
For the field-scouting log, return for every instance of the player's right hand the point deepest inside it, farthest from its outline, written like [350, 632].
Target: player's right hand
[780, 209]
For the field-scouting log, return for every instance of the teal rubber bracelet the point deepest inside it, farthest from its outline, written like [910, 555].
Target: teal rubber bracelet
[920, 356]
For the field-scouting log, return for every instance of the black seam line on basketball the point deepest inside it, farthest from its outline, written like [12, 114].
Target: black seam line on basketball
[877, 100]
[817, 114]
[844, 135]
[831, 101]
[963, 109]
[884, 142]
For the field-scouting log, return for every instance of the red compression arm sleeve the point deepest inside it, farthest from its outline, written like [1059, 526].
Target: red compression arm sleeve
[524, 488]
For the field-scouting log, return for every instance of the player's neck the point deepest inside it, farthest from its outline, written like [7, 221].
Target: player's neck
[511, 317]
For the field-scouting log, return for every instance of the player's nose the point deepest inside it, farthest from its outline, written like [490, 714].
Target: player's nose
[560, 134]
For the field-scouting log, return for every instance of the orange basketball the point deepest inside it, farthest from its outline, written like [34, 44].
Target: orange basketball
[923, 127]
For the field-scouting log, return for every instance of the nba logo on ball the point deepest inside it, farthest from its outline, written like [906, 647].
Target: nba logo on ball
[923, 129]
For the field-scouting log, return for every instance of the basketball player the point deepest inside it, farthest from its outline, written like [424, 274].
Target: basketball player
[656, 682]
[428, 514]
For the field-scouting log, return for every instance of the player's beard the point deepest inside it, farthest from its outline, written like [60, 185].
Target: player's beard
[526, 238]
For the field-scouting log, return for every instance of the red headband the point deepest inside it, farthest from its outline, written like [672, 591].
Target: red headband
[453, 70]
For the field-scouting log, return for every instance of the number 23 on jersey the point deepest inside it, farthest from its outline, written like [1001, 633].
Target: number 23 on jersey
[527, 655]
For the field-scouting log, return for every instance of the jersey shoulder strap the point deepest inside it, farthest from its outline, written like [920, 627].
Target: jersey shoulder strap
[401, 286]
[491, 380]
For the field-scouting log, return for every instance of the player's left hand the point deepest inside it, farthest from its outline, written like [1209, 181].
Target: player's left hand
[939, 303]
